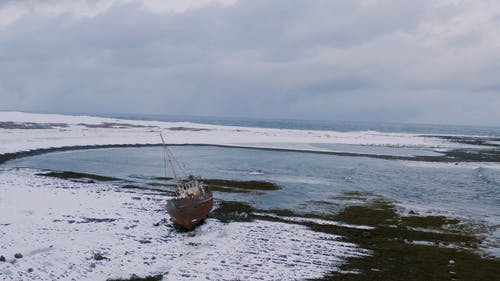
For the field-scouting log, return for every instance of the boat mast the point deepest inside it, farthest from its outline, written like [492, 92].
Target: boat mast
[167, 152]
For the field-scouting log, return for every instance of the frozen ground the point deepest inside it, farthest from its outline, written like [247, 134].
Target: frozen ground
[59, 226]
[26, 131]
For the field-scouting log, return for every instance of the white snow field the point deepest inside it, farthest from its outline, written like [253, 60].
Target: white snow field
[59, 225]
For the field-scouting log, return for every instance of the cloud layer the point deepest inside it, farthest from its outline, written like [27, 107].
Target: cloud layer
[379, 60]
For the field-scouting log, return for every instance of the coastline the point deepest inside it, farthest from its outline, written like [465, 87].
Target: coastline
[450, 156]
[385, 232]
[387, 245]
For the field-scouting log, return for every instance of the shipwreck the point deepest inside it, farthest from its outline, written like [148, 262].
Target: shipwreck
[193, 201]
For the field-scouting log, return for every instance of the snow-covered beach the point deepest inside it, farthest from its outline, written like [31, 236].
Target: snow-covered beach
[59, 225]
[26, 131]
[72, 230]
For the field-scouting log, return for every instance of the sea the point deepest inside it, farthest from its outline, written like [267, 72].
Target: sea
[340, 126]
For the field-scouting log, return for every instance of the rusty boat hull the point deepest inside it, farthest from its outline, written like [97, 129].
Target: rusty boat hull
[190, 211]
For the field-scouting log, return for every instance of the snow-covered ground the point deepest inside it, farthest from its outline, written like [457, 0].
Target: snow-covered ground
[55, 131]
[59, 226]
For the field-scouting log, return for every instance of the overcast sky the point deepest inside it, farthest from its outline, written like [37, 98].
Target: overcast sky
[425, 61]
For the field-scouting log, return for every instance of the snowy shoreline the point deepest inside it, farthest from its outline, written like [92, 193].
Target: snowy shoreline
[27, 131]
[60, 226]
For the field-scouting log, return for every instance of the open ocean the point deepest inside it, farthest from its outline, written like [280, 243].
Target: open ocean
[340, 126]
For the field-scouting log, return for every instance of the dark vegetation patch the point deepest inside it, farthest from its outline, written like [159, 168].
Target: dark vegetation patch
[228, 211]
[155, 184]
[428, 221]
[31, 125]
[137, 278]
[113, 125]
[353, 195]
[160, 188]
[403, 247]
[227, 189]
[490, 154]
[375, 214]
[96, 220]
[76, 175]
[227, 186]
[320, 202]
[6, 157]
[87, 220]
[447, 254]
[131, 186]
[187, 129]
[99, 257]
[162, 178]
[247, 185]
[288, 213]
[473, 155]
[472, 140]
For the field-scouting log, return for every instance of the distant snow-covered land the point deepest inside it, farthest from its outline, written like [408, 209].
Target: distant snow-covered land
[26, 131]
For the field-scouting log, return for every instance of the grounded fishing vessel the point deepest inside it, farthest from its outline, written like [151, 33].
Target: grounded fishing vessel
[192, 204]
[193, 201]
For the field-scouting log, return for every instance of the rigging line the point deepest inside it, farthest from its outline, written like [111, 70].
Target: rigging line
[180, 165]
[177, 182]
[165, 165]
[164, 157]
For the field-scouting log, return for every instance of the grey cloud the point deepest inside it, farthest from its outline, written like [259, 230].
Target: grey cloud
[292, 59]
